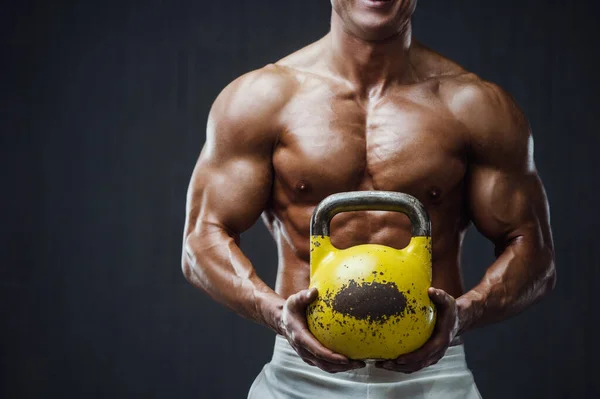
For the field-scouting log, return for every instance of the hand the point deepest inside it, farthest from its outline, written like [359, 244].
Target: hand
[446, 328]
[294, 328]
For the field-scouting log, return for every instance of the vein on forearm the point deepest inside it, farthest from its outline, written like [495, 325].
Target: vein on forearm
[520, 276]
[220, 269]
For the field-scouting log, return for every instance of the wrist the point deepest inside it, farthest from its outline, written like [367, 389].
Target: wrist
[271, 312]
[468, 311]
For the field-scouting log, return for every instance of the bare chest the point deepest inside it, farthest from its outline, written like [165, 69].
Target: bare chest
[404, 142]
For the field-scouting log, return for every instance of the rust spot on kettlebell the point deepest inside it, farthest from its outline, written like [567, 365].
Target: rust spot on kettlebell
[371, 301]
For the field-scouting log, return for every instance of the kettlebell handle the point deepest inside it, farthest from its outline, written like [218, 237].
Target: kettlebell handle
[370, 201]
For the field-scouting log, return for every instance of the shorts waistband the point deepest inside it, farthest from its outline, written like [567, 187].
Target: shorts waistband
[453, 361]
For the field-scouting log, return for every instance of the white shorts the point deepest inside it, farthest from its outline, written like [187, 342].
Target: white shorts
[288, 377]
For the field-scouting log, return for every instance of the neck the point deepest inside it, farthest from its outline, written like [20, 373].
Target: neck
[369, 65]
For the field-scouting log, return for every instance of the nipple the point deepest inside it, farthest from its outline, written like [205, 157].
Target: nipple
[302, 186]
[435, 193]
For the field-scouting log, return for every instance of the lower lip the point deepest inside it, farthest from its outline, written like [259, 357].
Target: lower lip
[377, 3]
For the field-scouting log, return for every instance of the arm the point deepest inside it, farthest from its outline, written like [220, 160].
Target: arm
[229, 189]
[508, 205]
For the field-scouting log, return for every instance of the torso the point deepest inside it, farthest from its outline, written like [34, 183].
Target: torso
[405, 140]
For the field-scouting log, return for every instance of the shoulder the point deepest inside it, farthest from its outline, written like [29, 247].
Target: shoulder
[478, 104]
[247, 110]
[495, 124]
[255, 95]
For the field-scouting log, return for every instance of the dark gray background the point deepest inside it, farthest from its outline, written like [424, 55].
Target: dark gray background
[103, 115]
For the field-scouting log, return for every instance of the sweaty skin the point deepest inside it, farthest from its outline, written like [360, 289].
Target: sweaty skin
[367, 108]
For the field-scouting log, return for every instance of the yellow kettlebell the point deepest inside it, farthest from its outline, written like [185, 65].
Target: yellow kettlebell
[372, 299]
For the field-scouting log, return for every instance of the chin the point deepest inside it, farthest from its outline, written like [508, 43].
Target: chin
[376, 29]
[374, 19]
[370, 28]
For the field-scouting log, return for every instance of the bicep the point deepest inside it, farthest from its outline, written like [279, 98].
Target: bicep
[228, 192]
[231, 183]
[506, 198]
[506, 204]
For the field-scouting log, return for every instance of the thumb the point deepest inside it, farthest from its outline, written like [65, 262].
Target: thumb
[300, 300]
[440, 297]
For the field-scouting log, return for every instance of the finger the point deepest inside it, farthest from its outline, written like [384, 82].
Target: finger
[306, 340]
[307, 360]
[312, 359]
[325, 365]
[447, 315]
[431, 346]
[302, 337]
[413, 367]
[406, 369]
[426, 361]
[446, 325]
[437, 344]
[431, 349]
[438, 341]
[298, 328]
[335, 368]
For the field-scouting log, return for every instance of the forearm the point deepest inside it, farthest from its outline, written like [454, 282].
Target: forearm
[214, 263]
[520, 276]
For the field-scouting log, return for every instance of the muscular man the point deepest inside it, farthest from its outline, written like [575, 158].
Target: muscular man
[367, 108]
